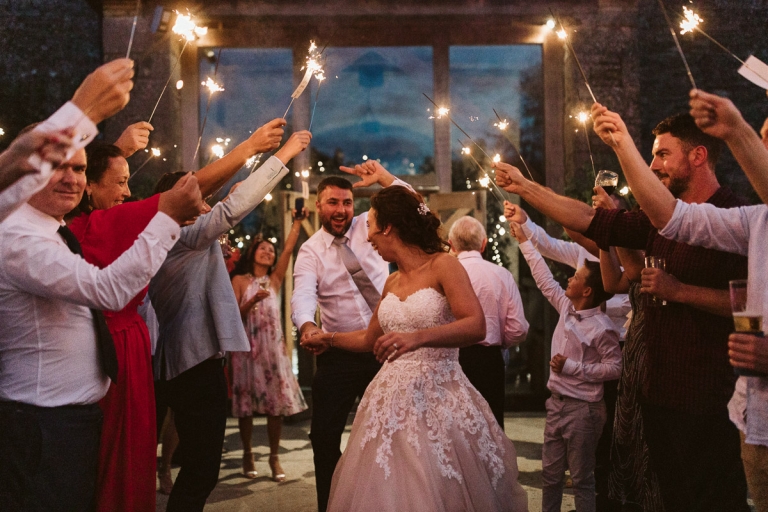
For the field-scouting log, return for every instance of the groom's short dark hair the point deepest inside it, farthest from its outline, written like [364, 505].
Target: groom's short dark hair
[333, 181]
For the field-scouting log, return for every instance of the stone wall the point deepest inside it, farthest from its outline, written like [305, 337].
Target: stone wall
[47, 47]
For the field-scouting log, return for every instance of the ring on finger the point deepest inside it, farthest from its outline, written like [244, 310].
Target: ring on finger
[395, 345]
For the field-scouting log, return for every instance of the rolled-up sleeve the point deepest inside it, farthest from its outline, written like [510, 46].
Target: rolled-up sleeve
[619, 228]
[705, 225]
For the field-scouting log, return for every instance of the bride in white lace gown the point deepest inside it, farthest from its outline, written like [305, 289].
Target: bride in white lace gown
[423, 438]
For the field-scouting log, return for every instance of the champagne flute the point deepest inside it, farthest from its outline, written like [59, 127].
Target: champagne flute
[609, 180]
[659, 263]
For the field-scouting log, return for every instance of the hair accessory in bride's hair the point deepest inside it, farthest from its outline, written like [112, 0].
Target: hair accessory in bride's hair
[423, 209]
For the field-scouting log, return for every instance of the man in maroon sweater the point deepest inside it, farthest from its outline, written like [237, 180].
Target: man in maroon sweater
[694, 448]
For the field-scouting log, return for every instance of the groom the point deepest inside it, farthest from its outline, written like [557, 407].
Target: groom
[323, 276]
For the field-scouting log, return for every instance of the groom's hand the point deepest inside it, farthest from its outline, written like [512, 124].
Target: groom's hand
[371, 172]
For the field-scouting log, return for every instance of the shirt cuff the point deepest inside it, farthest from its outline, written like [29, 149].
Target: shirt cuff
[570, 367]
[165, 229]
[673, 226]
[68, 116]
[528, 228]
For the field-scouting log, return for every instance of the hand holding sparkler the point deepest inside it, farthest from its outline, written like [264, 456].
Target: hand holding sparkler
[609, 126]
[371, 172]
[513, 213]
[134, 138]
[716, 116]
[267, 137]
[51, 147]
[509, 177]
[184, 202]
[296, 143]
[106, 91]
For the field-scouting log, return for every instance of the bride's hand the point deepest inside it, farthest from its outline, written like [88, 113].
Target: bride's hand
[394, 344]
[315, 341]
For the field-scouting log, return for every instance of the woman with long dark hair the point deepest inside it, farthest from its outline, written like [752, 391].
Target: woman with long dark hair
[262, 379]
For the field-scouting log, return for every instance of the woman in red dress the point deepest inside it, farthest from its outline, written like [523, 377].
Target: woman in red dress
[106, 227]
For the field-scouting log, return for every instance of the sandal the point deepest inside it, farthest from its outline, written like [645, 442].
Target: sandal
[249, 466]
[277, 471]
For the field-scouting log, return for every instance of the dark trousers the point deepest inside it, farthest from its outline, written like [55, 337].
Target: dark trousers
[341, 377]
[48, 457]
[198, 398]
[484, 367]
[603, 455]
[697, 460]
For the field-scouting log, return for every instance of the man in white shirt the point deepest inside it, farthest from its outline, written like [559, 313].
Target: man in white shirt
[102, 94]
[505, 323]
[53, 357]
[322, 278]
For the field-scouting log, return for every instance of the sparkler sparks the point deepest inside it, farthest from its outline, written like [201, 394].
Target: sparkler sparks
[441, 112]
[187, 28]
[582, 117]
[690, 21]
[212, 86]
[484, 182]
[465, 151]
[217, 150]
[155, 152]
[496, 158]
[502, 125]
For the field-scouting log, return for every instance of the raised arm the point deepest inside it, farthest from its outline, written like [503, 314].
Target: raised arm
[49, 146]
[134, 138]
[567, 212]
[614, 280]
[657, 202]
[214, 175]
[276, 279]
[719, 117]
[549, 247]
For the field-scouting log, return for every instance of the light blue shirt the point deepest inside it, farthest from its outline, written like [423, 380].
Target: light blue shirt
[195, 305]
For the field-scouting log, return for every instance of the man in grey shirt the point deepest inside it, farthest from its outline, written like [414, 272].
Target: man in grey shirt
[199, 321]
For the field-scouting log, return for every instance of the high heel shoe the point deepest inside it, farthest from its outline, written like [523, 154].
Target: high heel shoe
[166, 482]
[277, 471]
[249, 467]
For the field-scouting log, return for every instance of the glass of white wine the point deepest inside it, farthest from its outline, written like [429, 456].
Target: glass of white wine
[745, 320]
[661, 264]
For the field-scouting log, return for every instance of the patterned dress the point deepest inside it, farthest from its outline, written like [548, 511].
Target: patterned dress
[423, 437]
[631, 478]
[262, 379]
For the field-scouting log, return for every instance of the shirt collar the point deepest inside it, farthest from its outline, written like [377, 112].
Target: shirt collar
[329, 238]
[583, 313]
[463, 255]
[41, 220]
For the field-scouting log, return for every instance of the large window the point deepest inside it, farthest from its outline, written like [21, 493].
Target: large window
[370, 107]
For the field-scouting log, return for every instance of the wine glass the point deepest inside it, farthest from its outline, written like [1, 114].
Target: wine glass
[609, 180]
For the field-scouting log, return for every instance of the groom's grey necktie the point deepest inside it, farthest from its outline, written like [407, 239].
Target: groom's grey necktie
[364, 284]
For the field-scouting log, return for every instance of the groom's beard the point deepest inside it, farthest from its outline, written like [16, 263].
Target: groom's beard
[336, 224]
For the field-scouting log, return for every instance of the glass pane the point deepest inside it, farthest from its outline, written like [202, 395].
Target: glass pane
[257, 88]
[509, 80]
[371, 107]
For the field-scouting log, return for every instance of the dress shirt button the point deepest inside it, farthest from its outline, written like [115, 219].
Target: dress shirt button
[173, 237]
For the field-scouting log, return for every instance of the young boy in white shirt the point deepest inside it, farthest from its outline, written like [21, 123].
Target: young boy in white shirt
[585, 348]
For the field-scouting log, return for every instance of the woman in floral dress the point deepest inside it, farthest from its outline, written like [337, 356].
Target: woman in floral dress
[262, 379]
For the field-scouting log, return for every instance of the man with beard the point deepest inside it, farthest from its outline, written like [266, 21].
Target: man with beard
[694, 448]
[338, 270]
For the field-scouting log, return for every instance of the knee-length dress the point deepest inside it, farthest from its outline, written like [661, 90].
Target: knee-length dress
[128, 450]
[631, 478]
[262, 379]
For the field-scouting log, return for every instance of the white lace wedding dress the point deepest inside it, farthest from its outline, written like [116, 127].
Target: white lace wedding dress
[424, 439]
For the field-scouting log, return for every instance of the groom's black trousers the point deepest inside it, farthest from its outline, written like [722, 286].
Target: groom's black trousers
[484, 367]
[341, 378]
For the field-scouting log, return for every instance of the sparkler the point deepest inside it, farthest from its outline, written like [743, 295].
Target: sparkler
[564, 37]
[466, 151]
[212, 87]
[691, 21]
[189, 31]
[677, 42]
[503, 125]
[133, 28]
[153, 153]
[444, 112]
[582, 118]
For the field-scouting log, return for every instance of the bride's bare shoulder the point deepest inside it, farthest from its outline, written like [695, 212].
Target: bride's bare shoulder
[444, 261]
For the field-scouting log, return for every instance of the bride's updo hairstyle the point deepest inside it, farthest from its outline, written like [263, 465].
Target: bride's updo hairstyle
[406, 212]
